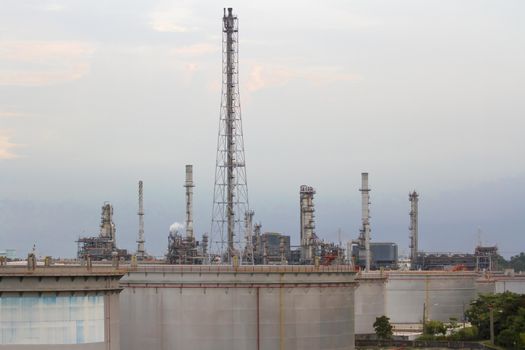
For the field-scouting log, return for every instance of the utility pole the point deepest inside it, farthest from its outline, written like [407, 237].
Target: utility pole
[491, 315]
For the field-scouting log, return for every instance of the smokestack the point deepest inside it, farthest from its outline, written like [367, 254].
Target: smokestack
[365, 217]
[189, 202]
[140, 242]
[413, 198]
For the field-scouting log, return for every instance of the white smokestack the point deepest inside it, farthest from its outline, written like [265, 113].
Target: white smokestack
[140, 242]
[365, 212]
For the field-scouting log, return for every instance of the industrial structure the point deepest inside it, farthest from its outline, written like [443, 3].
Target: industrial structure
[486, 258]
[361, 247]
[249, 250]
[413, 197]
[272, 295]
[141, 251]
[185, 249]
[483, 259]
[307, 212]
[230, 197]
[103, 247]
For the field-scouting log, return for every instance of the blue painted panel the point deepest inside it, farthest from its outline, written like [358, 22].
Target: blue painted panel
[51, 320]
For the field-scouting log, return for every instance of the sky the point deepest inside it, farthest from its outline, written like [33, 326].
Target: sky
[422, 95]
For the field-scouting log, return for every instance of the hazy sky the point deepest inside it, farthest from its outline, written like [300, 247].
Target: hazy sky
[425, 95]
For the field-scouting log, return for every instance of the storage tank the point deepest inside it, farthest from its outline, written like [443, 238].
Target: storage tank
[370, 297]
[514, 284]
[441, 294]
[59, 308]
[225, 308]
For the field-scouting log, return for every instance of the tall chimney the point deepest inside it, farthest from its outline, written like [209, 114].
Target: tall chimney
[413, 198]
[365, 217]
[189, 202]
[140, 242]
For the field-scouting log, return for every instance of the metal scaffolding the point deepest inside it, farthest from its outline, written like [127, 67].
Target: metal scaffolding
[230, 198]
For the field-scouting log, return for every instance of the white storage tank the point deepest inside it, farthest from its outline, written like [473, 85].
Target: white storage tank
[441, 294]
[223, 308]
[370, 297]
[59, 308]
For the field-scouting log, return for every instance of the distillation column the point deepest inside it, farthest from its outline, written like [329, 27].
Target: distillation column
[413, 198]
[140, 242]
[107, 227]
[307, 218]
[189, 202]
[365, 217]
[248, 235]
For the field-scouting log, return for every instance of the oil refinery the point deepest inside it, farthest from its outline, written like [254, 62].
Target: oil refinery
[236, 286]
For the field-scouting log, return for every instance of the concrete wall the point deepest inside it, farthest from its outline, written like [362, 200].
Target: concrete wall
[370, 297]
[445, 295]
[172, 309]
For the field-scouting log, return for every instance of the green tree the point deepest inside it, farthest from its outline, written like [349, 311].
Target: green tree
[509, 318]
[383, 327]
[434, 328]
[517, 262]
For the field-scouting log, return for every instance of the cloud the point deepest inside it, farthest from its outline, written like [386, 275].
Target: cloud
[261, 76]
[36, 63]
[31, 51]
[11, 114]
[195, 50]
[6, 146]
[41, 78]
[52, 7]
[173, 19]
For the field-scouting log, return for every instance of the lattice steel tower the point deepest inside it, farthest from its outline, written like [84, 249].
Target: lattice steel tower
[230, 198]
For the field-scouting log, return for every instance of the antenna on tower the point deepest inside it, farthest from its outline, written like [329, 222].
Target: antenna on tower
[230, 197]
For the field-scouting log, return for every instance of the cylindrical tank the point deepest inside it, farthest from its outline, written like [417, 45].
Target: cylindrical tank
[244, 308]
[369, 301]
[59, 308]
[440, 294]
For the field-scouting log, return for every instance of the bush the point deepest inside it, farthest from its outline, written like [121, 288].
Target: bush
[465, 334]
[434, 327]
[508, 339]
[426, 337]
